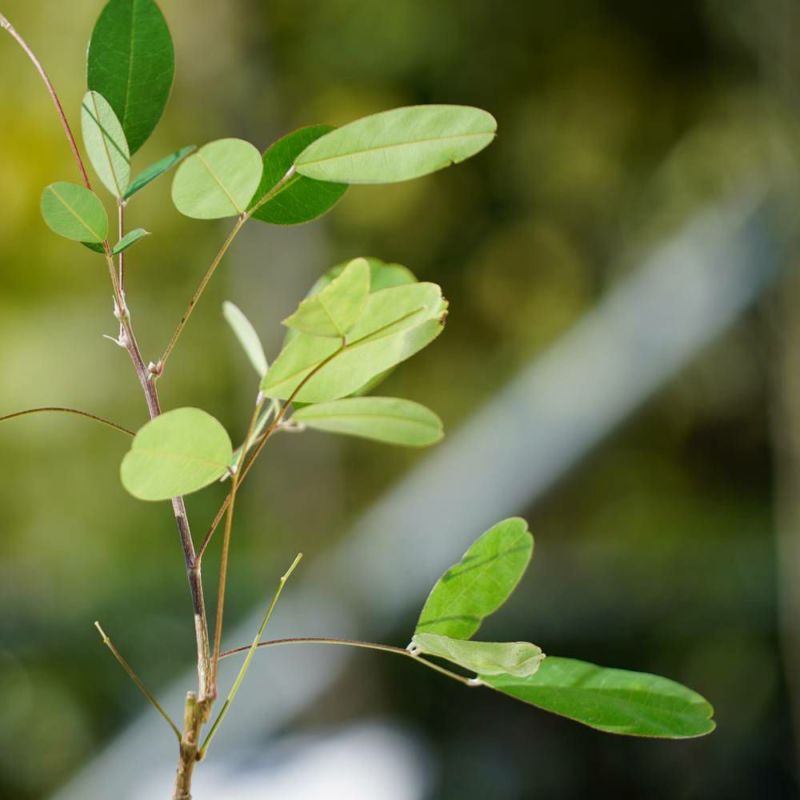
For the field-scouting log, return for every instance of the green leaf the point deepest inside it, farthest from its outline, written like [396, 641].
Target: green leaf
[611, 700]
[244, 331]
[300, 199]
[175, 454]
[129, 240]
[518, 659]
[158, 169]
[74, 212]
[131, 62]
[480, 583]
[105, 143]
[218, 180]
[334, 310]
[384, 419]
[398, 145]
[396, 323]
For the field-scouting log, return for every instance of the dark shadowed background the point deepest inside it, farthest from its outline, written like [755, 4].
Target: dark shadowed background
[619, 123]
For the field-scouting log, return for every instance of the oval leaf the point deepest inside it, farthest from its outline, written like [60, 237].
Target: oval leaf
[300, 199]
[518, 659]
[176, 454]
[334, 310]
[131, 62]
[129, 240]
[384, 419]
[480, 583]
[396, 323]
[158, 169]
[611, 700]
[105, 143]
[218, 180]
[244, 331]
[74, 212]
[398, 145]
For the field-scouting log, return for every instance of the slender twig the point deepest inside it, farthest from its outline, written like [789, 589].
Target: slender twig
[383, 648]
[204, 281]
[135, 678]
[63, 410]
[261, 442]
[226, 542]
[251, 652]
[5, 24]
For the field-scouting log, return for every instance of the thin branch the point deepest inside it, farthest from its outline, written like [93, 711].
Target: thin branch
[74, 411]
[5, 24]
[383, 648]
[226, 542]
[135, 678]
[273, 426]
[250, 653]
[198, 293]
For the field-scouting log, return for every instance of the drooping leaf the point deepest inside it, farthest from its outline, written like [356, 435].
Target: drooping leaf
[74, 212]
[156, 170]
[395, 324]
[131, 62]
[105, 143]
[175, 454]
[398, 145]
[384, 419]
[611, 700]
[518, 659]
[218, 180]
[128, 240]
[334, 310]
[246, 334]
[480, 583]
[300, 199]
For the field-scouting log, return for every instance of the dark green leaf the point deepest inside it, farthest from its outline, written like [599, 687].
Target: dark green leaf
[398, 145]
[74, 212]
[384, 419]
[518, 659]
[480, 583]
[105, 143]
[131, 62]
[158, 169]
[300, 199]
[218, 180]
[611, 700]
[175, 454]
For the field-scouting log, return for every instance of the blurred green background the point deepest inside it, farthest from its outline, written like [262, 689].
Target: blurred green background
[619, 120]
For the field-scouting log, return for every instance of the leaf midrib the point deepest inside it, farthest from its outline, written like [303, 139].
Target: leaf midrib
[412, 143]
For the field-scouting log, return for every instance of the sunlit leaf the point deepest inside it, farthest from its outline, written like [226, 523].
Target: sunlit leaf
[175, 454]
[156, 170]
[131, 62]
[384, 419]
[395, 324]
[398, 145]
[105, 143]
[246, 334]
[480, 583]
[129, 240]
[334, 310]
[300, 199]
[218, 180]
[74, 212]
[611, 700]
[518, 659]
